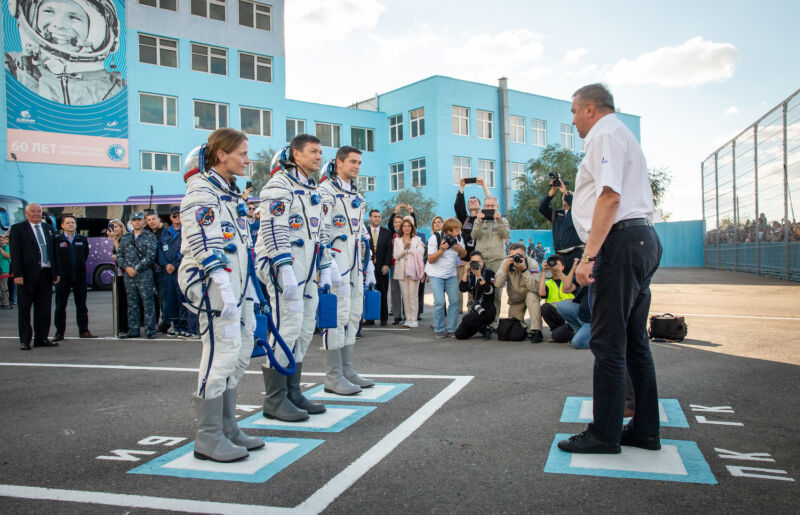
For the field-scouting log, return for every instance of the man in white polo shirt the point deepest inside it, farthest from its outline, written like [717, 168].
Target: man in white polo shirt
[612, 210]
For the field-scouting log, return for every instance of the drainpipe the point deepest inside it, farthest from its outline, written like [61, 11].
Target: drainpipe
[505, 160]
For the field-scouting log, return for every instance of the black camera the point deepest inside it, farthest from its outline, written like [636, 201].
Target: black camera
[518, 258]
[557, 179]
[478, 309]
[552, 261]
[450, 240]
[474, 265]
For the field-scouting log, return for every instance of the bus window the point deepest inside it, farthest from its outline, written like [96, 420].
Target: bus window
[5, 220]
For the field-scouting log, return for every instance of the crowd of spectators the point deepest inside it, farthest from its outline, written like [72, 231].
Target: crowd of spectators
[756, 230]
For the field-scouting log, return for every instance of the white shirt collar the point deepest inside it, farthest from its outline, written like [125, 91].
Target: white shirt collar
[598, 127]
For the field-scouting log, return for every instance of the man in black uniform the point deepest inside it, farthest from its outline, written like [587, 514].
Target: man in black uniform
[72, 249]
[479, 282]
[566, 241]
[156, 226]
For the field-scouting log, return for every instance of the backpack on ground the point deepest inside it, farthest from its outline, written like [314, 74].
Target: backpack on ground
[510, 330]
[667, 327]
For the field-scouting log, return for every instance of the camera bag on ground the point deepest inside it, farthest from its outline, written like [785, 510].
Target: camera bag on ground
[510, 330]
[667, 327]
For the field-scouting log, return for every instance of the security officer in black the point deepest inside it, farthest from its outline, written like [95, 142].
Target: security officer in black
[478, 281]
[566, 241]
[72, 249]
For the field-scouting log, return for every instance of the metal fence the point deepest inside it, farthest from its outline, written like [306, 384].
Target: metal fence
[751, 191]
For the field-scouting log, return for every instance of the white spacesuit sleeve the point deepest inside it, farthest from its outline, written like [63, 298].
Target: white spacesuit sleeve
[325, 227]
[272, 245]
[202, 231]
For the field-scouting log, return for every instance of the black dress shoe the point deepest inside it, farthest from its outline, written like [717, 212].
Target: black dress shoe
[631, 439]
[487, 333]
[58, 337]
[47, 342]
[397, 321]
[586, 443]
[384, 323]
[163, 327]
[24, 346]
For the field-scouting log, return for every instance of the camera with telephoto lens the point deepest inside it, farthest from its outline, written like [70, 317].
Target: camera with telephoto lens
[474, 265]
[450, 240]
[478, 308]
[552, 261]
[518, 258]
[557, 179]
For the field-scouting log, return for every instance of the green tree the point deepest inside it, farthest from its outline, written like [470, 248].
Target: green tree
[424, 207]
[260, 165]
[660, 179]
[536, 183]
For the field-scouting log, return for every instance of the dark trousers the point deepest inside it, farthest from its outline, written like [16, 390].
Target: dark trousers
[177, 314]
[78, 289]
[39, 295]
[620, 301]
[472, 322]
[162, 285]
[382, 285]
[421, 297]
[551, 316]
[122, 305]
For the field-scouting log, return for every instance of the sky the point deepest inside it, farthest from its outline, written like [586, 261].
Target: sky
[697, 72]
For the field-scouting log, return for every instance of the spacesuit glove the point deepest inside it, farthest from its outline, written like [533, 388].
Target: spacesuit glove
[288, 282]
[325, 278]
[370, 279]
[336, 275]
[344, 288]
[223, 282]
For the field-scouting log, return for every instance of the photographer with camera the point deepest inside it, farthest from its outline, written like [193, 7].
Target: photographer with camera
[519, 274]
[490, 232]
[445, 251]
[479, 282]
[566, 241]
[558, 288]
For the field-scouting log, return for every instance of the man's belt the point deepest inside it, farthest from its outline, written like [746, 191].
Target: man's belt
[569, 250]
[633, 222]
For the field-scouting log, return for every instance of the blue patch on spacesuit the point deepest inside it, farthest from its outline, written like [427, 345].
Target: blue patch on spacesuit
[241, 223]
[228, 230]
[354, 221]
[204, 216]
[277, 207]
[339, 221]
[296, 222]
[314, 221]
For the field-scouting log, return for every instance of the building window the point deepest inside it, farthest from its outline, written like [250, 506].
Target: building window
[256, 121]
[516, 124]
[294, 127]
[170, 5]
[461, 169]
[255, 67]
[209, 59]
[461, 121]
[517, 176]
[329, 134]
[396, 178]
[485, 124]
[254, 15]
[538, 133]
[158, 109]
[417, 117]
[363, 139]
[210, 115]
[567, 138]
[214, 9]
[161, 162]
[395, 128]
[418, 178]
[365, 183]
[159, 51]
[486, 170]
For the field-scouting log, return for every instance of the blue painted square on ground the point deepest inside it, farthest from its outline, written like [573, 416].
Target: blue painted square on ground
[678, 460]
[261, 465]
[579, 409]
[336, 418]
[381, 392]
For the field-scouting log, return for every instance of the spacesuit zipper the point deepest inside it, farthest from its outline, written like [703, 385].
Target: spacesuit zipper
[303, 206]
[347, 214]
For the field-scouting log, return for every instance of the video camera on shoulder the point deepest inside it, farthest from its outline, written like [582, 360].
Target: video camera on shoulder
[450, 240]
[557, 181]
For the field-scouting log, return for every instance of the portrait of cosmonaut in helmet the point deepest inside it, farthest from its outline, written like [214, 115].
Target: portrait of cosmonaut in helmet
[64, 45]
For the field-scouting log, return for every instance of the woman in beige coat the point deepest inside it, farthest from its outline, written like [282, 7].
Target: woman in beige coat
[407, 247]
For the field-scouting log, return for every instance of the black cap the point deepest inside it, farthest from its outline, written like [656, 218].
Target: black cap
[174, 209]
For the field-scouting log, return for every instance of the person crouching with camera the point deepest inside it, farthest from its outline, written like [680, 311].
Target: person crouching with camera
[520, 275]
[479, 282]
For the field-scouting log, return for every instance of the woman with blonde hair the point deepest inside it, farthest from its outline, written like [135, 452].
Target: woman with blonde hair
[408, 268]
[115, 231]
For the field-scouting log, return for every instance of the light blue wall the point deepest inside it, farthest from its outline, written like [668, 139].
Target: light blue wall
[682, 243]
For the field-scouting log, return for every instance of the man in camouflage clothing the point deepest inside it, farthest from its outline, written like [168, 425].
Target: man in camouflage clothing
[136, 254]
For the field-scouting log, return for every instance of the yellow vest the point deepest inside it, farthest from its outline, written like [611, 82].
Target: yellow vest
[555, 292]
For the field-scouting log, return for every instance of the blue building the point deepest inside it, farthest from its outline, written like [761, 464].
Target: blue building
[193, 66]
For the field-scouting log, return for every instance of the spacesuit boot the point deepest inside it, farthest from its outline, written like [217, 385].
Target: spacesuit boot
[347, 369]
[335, 382]
[229, 426]
[296, 395]
[276, 403]
[210, 443]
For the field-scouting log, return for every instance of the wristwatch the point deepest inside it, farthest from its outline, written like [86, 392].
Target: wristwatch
[586, 259]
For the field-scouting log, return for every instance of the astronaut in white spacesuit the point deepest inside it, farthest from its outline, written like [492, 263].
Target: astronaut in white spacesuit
[344, 210]
[288, 257]
[213, 276]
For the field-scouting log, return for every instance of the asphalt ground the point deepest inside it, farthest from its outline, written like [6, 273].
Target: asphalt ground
[472, 434]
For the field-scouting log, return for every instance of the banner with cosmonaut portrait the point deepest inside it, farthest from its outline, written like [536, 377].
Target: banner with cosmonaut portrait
[66, 94]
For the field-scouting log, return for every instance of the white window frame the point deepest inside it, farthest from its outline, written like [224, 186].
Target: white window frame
[296, 122]
[486, 170]
[485, 124]
[164, 106]
[516, 126]
[396, 128]
[369, 138]
[419, 171]
[335, 133]
[567, 136]
[217, 105]
[159, 6]
[517, 171]
[266, 10]
[259, 61]
[169, 156]
[460, 120]
[159, 47]
[265, 120]
[538, 132]
[416, 119]
[397, 172]
[221, 53]
[365, 183]
[461, 165]
[207, 9]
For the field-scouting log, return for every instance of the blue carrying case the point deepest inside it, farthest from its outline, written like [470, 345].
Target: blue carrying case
[326, 309]
[372, 303]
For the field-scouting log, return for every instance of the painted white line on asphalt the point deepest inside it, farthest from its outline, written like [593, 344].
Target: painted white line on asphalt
[111, 338]
[738, 316]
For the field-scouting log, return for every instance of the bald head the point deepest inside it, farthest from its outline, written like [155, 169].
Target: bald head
[33, 213]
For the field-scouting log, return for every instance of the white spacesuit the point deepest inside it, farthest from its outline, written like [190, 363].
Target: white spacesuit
[344, 211]
[213, 276]
[288, 257]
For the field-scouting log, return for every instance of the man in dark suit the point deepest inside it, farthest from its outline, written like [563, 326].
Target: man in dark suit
[380, 242]
[72, 249]
[34, 264]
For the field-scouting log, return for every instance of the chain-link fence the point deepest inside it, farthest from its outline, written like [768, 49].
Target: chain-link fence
[751, 191]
